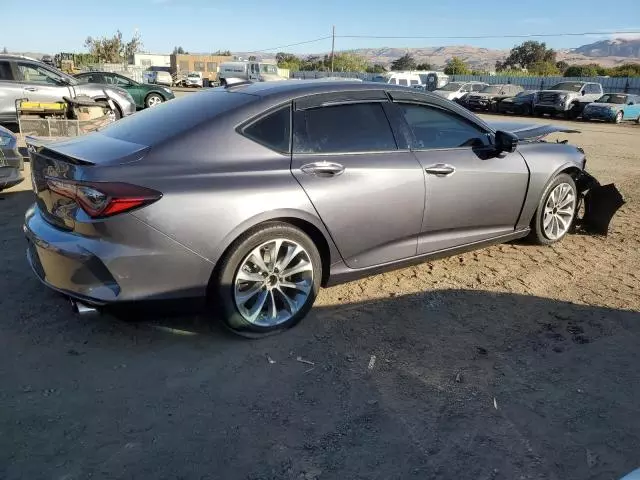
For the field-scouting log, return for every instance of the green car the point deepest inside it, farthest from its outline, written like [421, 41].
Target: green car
[144, 94]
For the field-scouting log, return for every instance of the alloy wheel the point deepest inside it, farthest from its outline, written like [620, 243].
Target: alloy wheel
[559, 211]
[273, 282]
[154, 100]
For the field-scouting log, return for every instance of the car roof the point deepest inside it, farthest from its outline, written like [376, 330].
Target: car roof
[297, 88]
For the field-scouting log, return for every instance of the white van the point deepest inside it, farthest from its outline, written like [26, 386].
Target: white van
[253, 71]
[406, 79]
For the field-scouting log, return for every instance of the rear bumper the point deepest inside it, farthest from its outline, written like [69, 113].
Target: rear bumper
[594, 115]
[143, 264]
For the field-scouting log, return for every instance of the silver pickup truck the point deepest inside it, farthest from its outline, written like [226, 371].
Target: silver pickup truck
[568, 98]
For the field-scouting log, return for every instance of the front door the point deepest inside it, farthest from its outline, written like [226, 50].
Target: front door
[367, 191]
[471, 194]
[40, 84]
[126, 84]
[11, 89]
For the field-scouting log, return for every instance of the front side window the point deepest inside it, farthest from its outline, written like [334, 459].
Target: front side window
[36, 74]
[415, 82]
[349, 128]
[122, 81]
[435, 128]
[90, 78]
[272, 131]
[403, 81]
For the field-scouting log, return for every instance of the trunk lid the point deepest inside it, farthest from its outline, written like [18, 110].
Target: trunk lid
[60, 163]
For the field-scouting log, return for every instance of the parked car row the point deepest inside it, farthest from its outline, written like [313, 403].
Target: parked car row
[569, 99]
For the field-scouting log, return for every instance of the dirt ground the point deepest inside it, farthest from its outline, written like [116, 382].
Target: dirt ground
[512, 362]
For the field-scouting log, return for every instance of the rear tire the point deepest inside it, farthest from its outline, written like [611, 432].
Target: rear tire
[556, 211]
[254, 294]
[618, 118]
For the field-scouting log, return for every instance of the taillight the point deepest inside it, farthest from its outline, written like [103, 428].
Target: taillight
[104, 199]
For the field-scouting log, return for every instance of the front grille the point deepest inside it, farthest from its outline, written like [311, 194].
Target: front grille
[547, 97]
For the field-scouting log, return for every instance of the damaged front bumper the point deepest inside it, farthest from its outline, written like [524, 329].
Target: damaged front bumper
[601, 202]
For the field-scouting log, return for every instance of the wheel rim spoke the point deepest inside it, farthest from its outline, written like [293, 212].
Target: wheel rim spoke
[255, 257]
[290, 304]
[303, 266]
[245, 276]
[257, 307]
[246, 295]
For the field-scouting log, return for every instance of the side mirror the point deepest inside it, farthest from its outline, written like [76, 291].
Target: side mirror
[506, 142]
[631, 103]
[584, 93]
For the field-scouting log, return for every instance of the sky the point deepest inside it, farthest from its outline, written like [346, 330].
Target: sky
[253, 25]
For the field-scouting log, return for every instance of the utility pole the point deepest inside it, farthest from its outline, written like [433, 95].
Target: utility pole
[333, 45]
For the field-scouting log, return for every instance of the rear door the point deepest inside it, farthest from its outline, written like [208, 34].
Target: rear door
[10, 91]
[471, 194]
[367, 189]
[41, 84]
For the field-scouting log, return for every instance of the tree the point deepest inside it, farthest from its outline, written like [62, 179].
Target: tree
[424, 66]
[527, 55]
[346, 62]
[625, 70]
[376, 68]
[4, 50]
[544, 69]
[252, 58]
[113, 50]
[562, 65]
[590, 70]
[456, 66]
[479, 73]
[179, 51]
[222, 53]
[405, 62]
[288, 60]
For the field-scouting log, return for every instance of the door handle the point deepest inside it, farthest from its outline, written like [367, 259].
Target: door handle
[440, 170]
[323, 169]
[31, 89]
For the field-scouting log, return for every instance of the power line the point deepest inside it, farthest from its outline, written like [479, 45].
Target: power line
[293, 44]
[478, 37]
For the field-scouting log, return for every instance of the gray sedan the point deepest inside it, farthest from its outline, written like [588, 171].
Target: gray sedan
[256, 195]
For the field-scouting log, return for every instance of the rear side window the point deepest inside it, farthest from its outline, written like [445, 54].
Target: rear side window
[435, 128]
[5, 71]
[273, 130]
[403, 81]
[359, 127]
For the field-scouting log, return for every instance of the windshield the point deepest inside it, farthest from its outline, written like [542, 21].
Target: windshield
[617, 99]
[193, 75]
[452, 87]
[268, 68]
[568, 86]
[492, 89]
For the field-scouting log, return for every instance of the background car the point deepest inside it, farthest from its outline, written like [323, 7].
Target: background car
[159, 77]
[521, 104]
[490, 96]
[11, 161]
[567, 98]
[23, 77]
[193, 79]
[144, 94]
[613, 107]
[455, 90]
[277, 192]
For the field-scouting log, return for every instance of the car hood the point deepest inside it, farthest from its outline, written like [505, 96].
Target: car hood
[444, 94]
[530, 131]
[563, 92]
[484, 95]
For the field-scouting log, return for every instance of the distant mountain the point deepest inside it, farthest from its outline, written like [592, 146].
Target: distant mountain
[617, 48]
[608, 53]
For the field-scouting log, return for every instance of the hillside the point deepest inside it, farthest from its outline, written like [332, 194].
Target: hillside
[629, 48]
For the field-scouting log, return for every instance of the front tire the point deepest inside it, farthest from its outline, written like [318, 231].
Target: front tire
[152, 100]
[556, 211]
[268, 280]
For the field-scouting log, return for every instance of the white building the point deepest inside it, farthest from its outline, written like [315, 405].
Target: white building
[151, 60]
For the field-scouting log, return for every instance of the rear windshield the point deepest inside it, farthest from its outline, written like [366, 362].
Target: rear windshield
[153, 125]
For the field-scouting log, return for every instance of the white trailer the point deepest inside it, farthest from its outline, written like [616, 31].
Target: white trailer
[245, 70]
